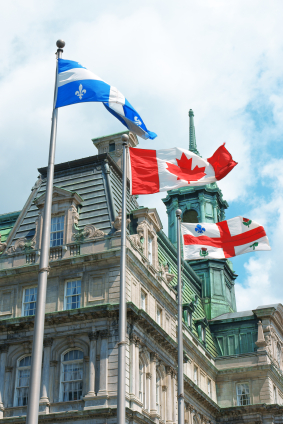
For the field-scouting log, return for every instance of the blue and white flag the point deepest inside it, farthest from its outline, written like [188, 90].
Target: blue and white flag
[76, 84]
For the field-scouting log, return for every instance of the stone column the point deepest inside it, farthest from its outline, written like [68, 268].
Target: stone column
[93, 336]
[147, 392]
[54, 388]
[103, 372]
[8, 403]
[137, 366]
[4, 350]
[47, 343]
[174, 402]
[169, 395]
[153, 359]
[164, 400]
[202, 211]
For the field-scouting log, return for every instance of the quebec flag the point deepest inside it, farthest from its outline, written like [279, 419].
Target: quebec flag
[76, 84]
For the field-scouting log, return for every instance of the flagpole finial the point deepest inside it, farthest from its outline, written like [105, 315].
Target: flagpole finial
[60, 44]
[125, 138]
[178, 213]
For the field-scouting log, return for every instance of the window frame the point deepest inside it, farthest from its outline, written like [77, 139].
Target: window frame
[150, 249]
[54, 232]
[159, 321]
[65, 293]
[196, 375]
[238, 395]
[62, 382]
[23, 300]
[145, 296]
[209, 388]
[18, 368]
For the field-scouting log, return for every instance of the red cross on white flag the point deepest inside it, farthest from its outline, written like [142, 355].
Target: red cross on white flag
[224, 239]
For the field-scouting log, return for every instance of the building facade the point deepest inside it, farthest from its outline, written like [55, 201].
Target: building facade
[232, 360]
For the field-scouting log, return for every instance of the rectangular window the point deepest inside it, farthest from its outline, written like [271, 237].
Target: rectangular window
[158, 315]
[209, 387]
[111, 147]
[243, 394]
[29, 301]
[57, 231]
[73, 294]
[202, 334]
[143, 299]
[150, 250]
[195, 375]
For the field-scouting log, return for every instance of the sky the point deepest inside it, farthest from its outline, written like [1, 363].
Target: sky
[223, 59]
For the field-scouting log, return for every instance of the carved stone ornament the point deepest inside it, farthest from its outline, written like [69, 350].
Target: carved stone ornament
[23, 244]
[88, 232]
[164, 273]
[137, 239]
[117, 224]
[2, 245]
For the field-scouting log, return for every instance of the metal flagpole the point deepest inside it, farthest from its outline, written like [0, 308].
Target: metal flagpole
[121, 395]
[181, 410]
[37, 348]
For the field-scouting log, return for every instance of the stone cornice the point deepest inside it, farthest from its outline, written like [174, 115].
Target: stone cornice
[200, 396]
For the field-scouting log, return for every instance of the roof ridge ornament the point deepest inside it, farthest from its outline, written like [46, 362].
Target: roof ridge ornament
[192, 134]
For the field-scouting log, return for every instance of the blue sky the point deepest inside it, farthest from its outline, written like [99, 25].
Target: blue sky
[222, 59]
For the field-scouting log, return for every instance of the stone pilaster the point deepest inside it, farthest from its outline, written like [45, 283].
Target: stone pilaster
[3, 358]
[147, 392]
[137, 366]
[174, 395]
[93, 336]
[163, 405]
[103, 374]
[153, 360]
[47, 343]
[169, 396]
[8, 403]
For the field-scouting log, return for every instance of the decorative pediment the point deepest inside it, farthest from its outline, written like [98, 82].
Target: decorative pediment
[60, 195]
[149, 215]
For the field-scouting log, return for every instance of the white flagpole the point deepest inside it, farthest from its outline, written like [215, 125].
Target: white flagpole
[37, 348]
[181, 410]
[121, 388]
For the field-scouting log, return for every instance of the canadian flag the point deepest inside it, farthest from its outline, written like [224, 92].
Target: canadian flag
[224, 239]
[162, 170]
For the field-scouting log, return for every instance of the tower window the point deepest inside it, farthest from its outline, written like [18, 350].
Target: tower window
[190, 216]
[243, 394]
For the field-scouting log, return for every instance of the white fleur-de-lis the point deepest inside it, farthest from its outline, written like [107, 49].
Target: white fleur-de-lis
[81, 92]
[137, 120]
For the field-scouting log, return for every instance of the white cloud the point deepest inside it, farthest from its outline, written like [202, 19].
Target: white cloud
[222, 59]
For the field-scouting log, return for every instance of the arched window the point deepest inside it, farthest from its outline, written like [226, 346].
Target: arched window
[190, 216]
[72, 375]
[22, 381]
[141, 382]
[158, 393]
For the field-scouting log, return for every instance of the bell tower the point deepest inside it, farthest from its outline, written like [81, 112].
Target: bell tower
[204, 204]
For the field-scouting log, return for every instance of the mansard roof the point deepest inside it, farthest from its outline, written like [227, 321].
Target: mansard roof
[97, 193]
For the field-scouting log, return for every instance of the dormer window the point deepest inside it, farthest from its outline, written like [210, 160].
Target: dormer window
[111, 147]
[57, 231]
[201, 325]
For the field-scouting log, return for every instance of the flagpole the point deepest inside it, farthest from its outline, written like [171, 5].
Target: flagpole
[121, 395]
[37, 348]
[181, 410]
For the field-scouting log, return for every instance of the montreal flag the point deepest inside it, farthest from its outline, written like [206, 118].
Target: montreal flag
[224, 239]
[162, 170]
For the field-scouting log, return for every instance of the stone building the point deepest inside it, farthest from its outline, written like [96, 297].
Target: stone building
[232, 360]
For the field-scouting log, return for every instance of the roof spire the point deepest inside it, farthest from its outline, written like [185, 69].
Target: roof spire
[193, 143]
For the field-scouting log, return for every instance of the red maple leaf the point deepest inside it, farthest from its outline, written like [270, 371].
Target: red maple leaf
[184, 171]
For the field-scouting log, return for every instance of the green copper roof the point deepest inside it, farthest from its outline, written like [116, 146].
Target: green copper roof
[7, 222]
